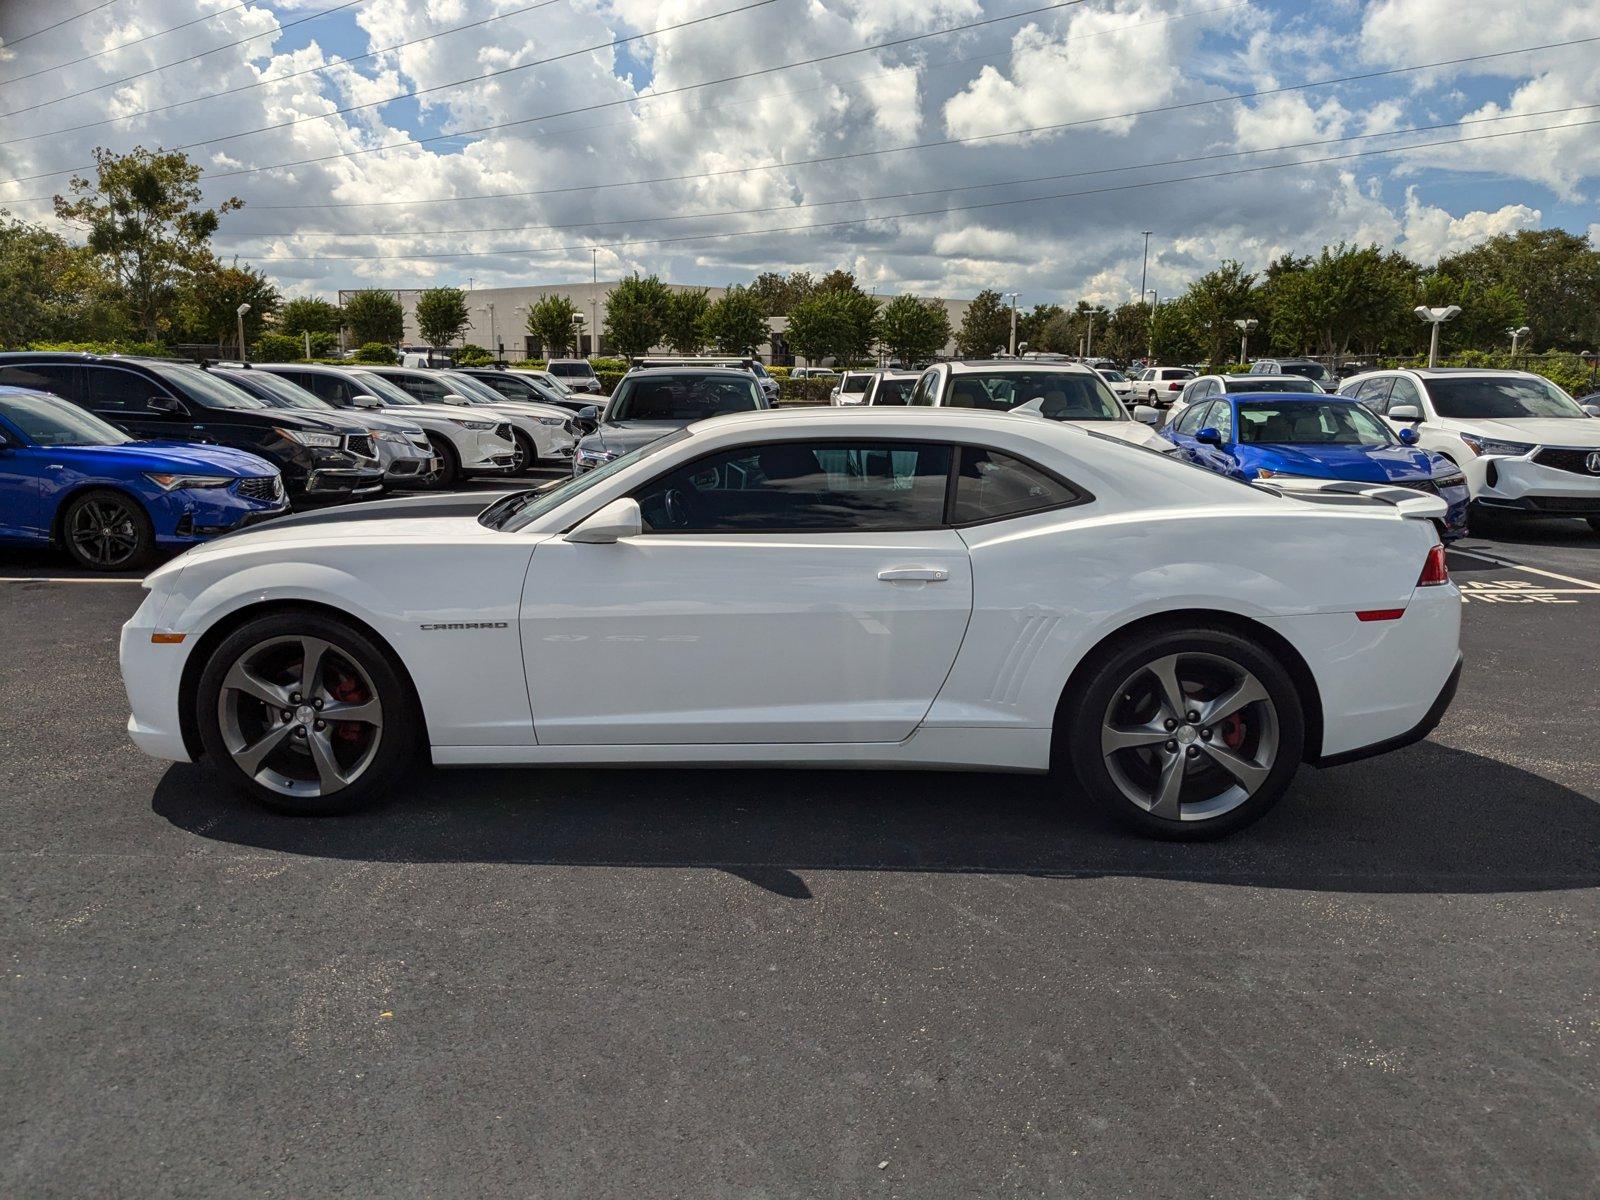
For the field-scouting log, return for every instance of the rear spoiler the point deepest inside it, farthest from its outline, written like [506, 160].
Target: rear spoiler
[1419, 506]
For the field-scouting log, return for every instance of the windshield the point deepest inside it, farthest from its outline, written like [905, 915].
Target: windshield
[1488, 397]
[894, 391]
[572, 370]
[48, 422]
[1308, 423]
[279, 390]
[855, 383]
[380, 387]
[1111, 376]
[1308, 370]
[1266, 383]
[471, 388]
[206, 388]
[550, 381]
[515, 512]
[1066, 396]
[667, 396]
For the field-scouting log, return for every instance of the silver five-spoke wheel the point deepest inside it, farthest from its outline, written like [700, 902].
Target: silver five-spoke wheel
[300, 716]
[1189, 736]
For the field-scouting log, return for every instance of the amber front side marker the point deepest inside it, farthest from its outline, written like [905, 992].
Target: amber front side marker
[167, 639]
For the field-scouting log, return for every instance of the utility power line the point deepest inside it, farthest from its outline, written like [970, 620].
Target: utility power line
[57, 25]
[926, 212]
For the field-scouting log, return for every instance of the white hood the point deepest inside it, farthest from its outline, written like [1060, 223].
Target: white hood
[1583, 433]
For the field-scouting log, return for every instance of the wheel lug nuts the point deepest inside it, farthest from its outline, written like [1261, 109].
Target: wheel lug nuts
[322, 725]
[316, 704]
[1205, 735]
[299, 731]
[294, 698]
[1171, 746]
[1171, 724]
[1193, 716]
[288, 714]
[1193, 752]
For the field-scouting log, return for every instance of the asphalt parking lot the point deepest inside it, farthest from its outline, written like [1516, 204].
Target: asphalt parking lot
[693, 983]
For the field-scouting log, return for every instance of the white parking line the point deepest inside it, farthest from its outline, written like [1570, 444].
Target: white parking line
[61, 579]
[1586, 584]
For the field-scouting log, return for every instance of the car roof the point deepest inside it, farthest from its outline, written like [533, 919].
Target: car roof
[987, 366]
[695, 369]
[956, 422]
[1285, 397]
[1258, 378]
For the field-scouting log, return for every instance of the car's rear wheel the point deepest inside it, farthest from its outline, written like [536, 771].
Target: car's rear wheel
[103, 530]
[306, 714]
[1594, 523]
[1186, 733]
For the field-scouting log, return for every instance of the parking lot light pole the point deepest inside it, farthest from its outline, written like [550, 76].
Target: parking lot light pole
[244, 355]
[1246, 326]
[1155, 302]
[1144, 269]
[489, 308]
[1014, 297]
[1436, 317]
[577, 334]
[1593, 359]
[1516, 336]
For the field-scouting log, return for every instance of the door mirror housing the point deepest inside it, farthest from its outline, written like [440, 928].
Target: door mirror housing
[1405, 412]
[169, 405]
[617, 520]
[1409, 437]
[1209, 436]
[590, 412]
[1146, 414]
[454, 398]
[1592, 409]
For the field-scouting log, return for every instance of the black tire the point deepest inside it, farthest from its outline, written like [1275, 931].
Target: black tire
[1594, 523]
[449, 473]
[1084, 716]
[397, 737]
[527, 453]
[107, 530]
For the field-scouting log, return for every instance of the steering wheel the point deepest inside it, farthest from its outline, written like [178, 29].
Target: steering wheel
[677, 508]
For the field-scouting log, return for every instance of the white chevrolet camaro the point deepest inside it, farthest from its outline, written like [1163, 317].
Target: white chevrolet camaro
[914, 589]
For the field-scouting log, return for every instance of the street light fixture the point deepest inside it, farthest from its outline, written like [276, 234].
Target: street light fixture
[1516, 336]
[1436, 317]
[1155, 303]
[1247, 326]
[244, 355]
[493, 339]
[577, 333]
[1593, 359]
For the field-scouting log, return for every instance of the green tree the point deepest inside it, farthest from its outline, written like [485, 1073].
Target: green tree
[636, 314]
[308, 314]
[777, 293]
[683, 327]
[986, 325]
[277, 348]
[1171, 333]
[1126, 332]
[1031, 324]
[550, 323]
[144, 221]
[736, 323]
[1213, 302]
[1555, 274]
[211, 300]
[51, 290]
[374, 316]
[441, 315]
[376, 352]
[838, 280]
[833, 324]
[913, 330]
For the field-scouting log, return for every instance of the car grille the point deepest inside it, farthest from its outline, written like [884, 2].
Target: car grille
[361, 446]
[420, 441]
[264, 488]
[505, 431]
[1566, 504]
[1566, 460]
[1417, 485]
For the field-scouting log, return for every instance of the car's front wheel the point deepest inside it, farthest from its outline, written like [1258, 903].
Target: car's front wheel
[448, 473]
[306, 714]
[103, 530]
[1186, 733]
[1594, 524]
[525, 455]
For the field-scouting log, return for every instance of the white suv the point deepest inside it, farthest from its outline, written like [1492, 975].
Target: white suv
[1057, 391]
[577, 373]
[1524, 445]
[1159, 386]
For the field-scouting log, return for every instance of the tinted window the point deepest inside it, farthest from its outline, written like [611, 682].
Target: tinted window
[572, 370]
[57, 379]
[923, 395]
[1189, 419]
[893, 391]
[1220, 418]
[855, 383]
[1404, 392]
[991, 485]
[802, 486]
[275, 388]
[1243, 384]
[382, 389]
[665, 396]
[1066, 397]
[1487, 397]
[1307, 370]
[205, 388]
[420, 387]
[49, 422]
[116, 390]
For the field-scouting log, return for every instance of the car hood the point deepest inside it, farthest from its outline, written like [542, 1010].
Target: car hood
[1136, 433]
[620, 437]
[1366, 464]
[443, 412]
[387, 419]
[1542, 431]
[171, 457]
[453, 518]
[332, 421]
[527, 408]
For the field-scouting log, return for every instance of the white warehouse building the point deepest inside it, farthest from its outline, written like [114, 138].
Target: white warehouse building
[499, 316]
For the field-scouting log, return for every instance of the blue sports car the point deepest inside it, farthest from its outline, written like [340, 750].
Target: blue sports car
[1252, 435]
[69, 479]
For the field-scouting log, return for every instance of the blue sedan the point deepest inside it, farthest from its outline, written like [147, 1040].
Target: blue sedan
[1256, 436]
[69, 479]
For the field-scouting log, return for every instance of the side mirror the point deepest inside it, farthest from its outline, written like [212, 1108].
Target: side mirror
[454, 398]
[590, 413]
[1143, 412]
[170, 405]
[1405, 412]
[1409, 437]
[1592, 409]
[1209, 436]
[617, 520]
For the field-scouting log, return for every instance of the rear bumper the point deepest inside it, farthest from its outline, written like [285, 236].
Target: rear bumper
[1430, 721]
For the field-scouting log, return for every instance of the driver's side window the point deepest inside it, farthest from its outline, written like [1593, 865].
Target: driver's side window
[1190, 419]
[795, 487]
[1404, 392]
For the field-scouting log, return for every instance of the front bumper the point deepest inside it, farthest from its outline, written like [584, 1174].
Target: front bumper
[191, 515]
[344, 481]
[151, 675]
[1533, 484]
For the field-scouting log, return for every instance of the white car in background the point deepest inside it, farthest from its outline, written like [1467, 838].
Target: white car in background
[891, 388]
[543, 433]
[1203, 387]
[1121, 385]
[910, 589]
[1067, 392]
[1159, 386]
[851, 388]
[577, 374]
[1526, 447]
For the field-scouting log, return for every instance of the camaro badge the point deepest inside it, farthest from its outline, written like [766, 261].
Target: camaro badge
[465, 625]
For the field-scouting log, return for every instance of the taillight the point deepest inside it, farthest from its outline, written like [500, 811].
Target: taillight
[1435, 570]
[1174, 387]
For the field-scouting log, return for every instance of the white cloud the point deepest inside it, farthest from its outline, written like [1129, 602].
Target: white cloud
[1432, 233]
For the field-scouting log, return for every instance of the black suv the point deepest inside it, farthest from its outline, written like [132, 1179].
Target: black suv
[328, 458]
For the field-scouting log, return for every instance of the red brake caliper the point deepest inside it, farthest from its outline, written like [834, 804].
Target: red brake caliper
[1233, 732]
[347, 691]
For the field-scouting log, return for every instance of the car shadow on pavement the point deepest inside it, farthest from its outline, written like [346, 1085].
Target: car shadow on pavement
[1426, 819]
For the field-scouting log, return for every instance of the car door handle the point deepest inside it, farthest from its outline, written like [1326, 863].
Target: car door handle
[913, 575]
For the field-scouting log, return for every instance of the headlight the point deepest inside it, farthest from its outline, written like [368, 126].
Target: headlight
[173, 483]
[323, 441]
[478, 425]
[385, 435]
[1483, 445]
[1455, 480]
[552, 420]
[1269, 473]
[593, 458]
